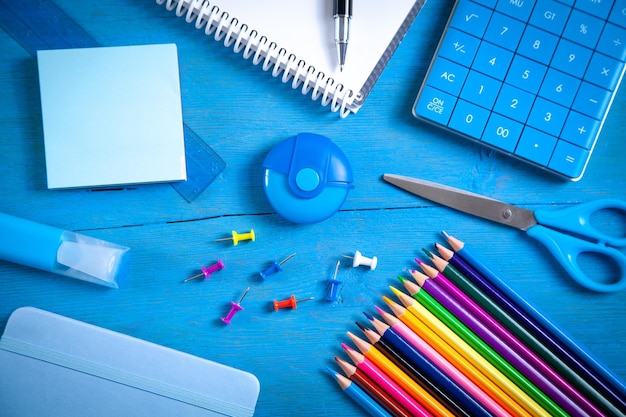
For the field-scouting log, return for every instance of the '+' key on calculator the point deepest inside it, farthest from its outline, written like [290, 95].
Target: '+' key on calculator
[534, 79]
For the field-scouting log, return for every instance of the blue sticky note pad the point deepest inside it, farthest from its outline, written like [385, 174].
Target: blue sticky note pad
[111, 116]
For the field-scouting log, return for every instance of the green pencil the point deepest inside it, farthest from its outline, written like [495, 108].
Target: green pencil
[497, 312]
[481, 347]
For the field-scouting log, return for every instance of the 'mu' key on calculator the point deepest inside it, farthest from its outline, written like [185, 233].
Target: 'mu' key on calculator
[531, 78]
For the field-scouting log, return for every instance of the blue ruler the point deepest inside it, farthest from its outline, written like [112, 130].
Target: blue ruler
[41, 24]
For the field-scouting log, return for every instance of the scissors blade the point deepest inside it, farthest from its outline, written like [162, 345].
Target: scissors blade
[465, 201]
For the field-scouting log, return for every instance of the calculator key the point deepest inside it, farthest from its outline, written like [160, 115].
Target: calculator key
[502, 132]
[538, 45]
[618, 15]
[547, 116]
[599, 8]
[592, 101]
[580, 130]
[536, 146]
[571, 58]
[459, 47]
[569, 160]
[550, 16]
[504, 31]
[447, 76]
[526, 74]
[471, 18]
[435, 105]
[559, 87]
[481, 90]
[469, 119]
[520, 9]
[489, 3]
[514, 103]
[613, 42]
[492, 60]
[584, 29]
[604, 71]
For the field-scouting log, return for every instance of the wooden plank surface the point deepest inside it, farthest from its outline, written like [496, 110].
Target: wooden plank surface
[242, 112]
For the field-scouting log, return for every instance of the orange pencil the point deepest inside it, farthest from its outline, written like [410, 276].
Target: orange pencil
[401, 378]
[463, 348]
[462, 364]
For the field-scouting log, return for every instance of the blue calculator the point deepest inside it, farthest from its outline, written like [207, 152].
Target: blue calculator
[533, 79]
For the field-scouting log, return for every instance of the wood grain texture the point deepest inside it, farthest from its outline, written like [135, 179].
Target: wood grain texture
[242, 112]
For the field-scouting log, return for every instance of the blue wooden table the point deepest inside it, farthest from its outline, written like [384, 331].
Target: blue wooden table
[242, 112]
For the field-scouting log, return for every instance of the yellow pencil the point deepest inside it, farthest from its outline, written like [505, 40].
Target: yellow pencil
[463, 348]
[464, 365]
[400, 377]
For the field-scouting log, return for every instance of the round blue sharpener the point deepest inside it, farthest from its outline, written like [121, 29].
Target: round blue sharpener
[307, 178]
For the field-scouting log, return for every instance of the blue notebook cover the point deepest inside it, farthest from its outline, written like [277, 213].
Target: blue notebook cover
[56, 366]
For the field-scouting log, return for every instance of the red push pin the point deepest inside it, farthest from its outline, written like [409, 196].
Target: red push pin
[290, 302]
[218, 266]
[235, 307]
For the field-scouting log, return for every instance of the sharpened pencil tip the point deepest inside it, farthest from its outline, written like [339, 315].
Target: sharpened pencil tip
[368, 316]
[428, 253]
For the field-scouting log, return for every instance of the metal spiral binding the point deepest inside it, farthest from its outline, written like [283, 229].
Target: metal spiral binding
[240, 37]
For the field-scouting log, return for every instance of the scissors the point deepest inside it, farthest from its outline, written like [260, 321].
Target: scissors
[567, 232]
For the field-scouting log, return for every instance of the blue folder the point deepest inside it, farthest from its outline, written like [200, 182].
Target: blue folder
[55, 366]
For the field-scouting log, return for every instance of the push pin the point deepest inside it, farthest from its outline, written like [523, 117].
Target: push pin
[289, 302]
[238, 237]
[218, 266]
[235, 307]
[276, 267]
[359, 260]
[333, 285]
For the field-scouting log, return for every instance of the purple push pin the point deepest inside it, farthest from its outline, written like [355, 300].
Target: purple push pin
[218, 266]
[235, 307]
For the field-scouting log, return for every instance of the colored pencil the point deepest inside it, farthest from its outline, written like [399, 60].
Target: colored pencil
[360, 397]
[464, 358]
[533, 367]
[578, 375]
[478, 342]
[402, 379]
[373, 389]
[543, 328]
[386, 382]
[412, 371]
[436, 374]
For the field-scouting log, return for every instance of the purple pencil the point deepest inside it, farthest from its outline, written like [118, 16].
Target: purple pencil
[580, 360]
[501, 340]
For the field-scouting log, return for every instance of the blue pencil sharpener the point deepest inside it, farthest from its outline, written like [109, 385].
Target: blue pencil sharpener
[307, 178]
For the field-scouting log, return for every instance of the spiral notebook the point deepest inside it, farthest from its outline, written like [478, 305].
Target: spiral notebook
[295, 40]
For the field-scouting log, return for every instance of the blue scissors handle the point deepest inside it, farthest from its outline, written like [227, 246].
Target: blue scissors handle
[566, 249]
[576, 220]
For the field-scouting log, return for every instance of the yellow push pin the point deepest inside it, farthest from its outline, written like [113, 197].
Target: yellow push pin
[238, 237]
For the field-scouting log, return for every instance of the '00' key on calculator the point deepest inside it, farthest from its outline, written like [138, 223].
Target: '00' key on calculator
[531, 78]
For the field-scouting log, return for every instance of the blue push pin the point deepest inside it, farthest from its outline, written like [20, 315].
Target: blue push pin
[276, 267]
[333, 285]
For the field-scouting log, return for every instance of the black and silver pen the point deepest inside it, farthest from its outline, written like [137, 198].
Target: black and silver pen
[342, 13]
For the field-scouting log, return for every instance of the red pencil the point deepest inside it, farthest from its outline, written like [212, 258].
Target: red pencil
[374, 390]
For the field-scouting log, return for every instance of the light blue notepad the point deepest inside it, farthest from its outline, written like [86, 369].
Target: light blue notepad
[52, 365]
[112, 115]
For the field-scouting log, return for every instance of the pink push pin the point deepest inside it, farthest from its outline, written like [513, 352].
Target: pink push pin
[235, 307]
[218, 266]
